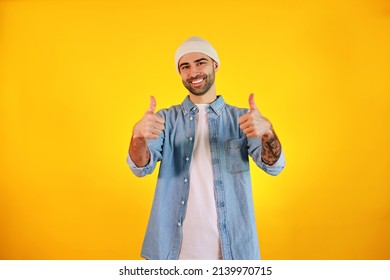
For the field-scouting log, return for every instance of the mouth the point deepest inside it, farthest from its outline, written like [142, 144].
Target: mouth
[197, 81]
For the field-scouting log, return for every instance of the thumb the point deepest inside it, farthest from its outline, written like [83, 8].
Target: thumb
[252, 105]
[152, 105]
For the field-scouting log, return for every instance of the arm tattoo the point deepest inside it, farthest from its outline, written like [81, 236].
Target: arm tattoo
[139, 152]
[271, 149]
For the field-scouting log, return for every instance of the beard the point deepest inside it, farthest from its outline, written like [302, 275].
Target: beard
[206, 84]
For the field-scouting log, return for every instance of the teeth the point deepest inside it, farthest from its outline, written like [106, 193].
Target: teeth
[197, 81]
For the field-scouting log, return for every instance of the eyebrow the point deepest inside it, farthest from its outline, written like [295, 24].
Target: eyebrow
[201, 59]
[196, 61]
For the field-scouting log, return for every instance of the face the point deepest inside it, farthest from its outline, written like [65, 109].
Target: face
[197, 71]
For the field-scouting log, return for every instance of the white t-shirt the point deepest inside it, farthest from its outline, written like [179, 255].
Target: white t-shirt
[200, 228]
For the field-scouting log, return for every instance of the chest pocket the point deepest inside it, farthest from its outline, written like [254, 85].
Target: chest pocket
[237, 155]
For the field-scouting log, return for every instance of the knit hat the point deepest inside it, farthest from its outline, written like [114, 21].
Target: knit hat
[195, 44]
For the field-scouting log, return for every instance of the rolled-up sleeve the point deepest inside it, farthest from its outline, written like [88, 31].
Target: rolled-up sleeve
[254, 149]
[145, 170]
[275, 168]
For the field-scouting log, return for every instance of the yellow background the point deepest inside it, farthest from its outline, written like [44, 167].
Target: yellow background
[76, 75]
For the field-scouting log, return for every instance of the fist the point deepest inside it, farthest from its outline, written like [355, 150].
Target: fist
[253, 124]
[151, 125]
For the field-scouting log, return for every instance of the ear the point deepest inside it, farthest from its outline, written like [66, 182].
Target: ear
[216, 66]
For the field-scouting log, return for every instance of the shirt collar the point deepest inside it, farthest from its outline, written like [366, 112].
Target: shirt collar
[217, 105]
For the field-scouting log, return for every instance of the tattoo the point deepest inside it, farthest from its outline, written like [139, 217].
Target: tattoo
[139, 152]
[271, 150]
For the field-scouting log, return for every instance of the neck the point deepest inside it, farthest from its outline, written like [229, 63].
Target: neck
[206, 98]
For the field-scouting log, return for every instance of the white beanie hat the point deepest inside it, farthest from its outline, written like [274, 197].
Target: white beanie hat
[195, 44]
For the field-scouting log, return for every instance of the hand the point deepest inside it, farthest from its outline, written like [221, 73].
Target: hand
[253, 124]
[151, 125]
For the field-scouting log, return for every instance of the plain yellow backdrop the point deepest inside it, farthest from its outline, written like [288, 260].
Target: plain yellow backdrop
[75, 76]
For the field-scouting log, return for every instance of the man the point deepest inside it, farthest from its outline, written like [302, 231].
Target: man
[203, 206]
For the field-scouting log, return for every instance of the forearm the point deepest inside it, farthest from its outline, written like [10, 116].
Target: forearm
[139, 151]
[271, 148]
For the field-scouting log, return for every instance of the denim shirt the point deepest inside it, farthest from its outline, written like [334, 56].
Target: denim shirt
[230, 151]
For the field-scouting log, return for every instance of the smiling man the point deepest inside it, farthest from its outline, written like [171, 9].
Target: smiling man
[196, 83]
[203, 205]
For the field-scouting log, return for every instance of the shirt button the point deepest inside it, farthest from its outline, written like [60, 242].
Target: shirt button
[185, 180]
[179, 224]
[190, 138]
[187, 158]
[191, 118]
[182, 202]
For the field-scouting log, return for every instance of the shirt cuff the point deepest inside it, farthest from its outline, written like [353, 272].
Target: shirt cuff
[140, 171]
[277, 167]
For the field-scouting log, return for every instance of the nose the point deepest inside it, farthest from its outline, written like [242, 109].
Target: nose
[194, 72]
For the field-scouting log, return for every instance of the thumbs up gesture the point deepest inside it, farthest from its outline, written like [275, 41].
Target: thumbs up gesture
[151, 125]
[254, 124]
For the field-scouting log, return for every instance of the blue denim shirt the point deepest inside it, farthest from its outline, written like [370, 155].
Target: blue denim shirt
[230, 149]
